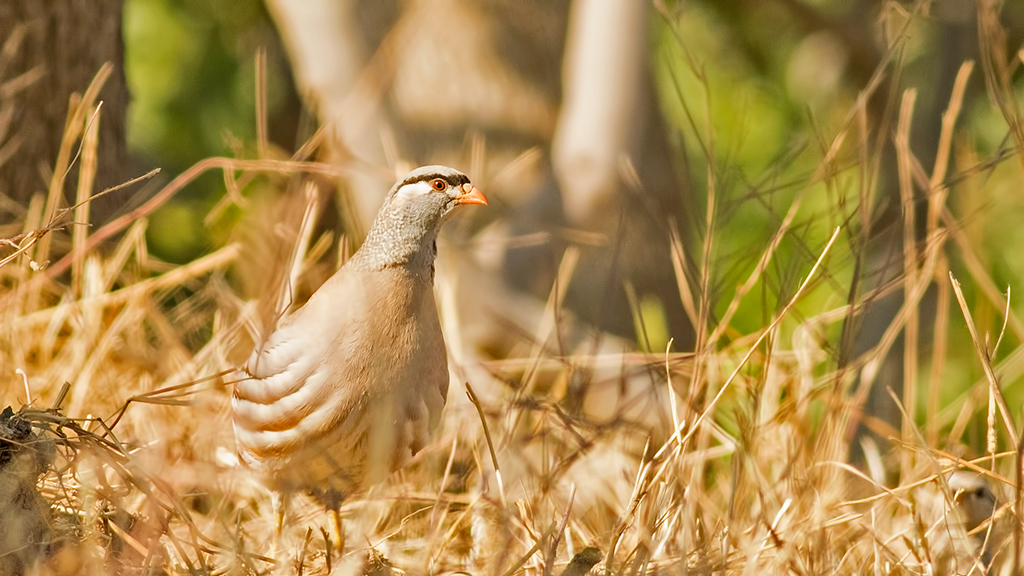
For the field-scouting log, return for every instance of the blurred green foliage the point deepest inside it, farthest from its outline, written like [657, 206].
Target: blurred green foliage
[190, 67]
[756, 99]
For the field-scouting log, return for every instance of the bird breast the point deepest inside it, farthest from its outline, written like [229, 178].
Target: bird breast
[348, 388]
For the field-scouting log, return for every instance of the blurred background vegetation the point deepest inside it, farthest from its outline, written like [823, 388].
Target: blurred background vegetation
[778, 80]
[190, 67]
[773, 87]
[749, 96]
[753, 93]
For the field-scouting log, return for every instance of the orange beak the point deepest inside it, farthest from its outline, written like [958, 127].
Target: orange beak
[471, 195]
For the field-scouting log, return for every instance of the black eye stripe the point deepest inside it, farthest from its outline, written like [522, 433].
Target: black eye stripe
[453, 180]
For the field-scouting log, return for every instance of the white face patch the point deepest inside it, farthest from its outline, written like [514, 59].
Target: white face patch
[414, 190]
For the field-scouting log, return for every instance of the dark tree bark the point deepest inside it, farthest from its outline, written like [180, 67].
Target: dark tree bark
[55, 49]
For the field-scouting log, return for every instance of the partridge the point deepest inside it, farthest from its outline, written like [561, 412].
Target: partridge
[975, 504]
[349, 386]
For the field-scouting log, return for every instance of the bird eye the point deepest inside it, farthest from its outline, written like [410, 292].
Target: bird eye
[438, 184]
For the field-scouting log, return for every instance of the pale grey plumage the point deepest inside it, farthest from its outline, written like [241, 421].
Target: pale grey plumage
[965, 541]
[351, 384]
[976, 503]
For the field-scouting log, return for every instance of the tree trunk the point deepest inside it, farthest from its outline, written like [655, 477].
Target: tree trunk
[50, 50]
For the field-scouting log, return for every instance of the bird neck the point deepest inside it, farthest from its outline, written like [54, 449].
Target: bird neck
[388, 246]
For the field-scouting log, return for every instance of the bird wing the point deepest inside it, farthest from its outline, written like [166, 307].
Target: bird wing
[359, 372]
[280, 395]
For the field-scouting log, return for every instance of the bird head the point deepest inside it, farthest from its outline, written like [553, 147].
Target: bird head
[973, 496]
[414, 210]
[429, 195]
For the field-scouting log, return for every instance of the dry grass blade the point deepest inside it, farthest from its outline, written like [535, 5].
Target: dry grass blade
[297, 260]
[764, 334]
[556, 537]
[167, 192]
[911, 278]
[490, 443]
[995, 390]
[1018, 499]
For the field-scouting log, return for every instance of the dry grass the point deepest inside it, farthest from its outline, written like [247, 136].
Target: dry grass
[730, 460]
